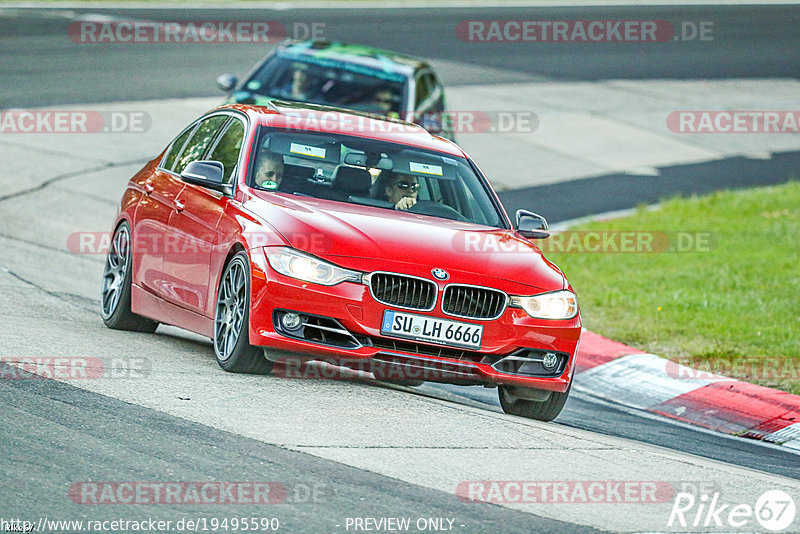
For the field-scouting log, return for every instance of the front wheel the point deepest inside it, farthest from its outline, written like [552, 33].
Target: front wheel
[115, 295]
[234, 352]
[545, 408]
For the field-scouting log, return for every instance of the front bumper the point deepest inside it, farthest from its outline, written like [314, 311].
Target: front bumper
[510, 347]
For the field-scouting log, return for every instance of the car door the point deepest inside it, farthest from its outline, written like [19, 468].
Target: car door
[193, 224]
[152, 217]
[162, 201]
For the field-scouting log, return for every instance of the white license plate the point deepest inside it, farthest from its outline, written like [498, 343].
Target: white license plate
[431, 329]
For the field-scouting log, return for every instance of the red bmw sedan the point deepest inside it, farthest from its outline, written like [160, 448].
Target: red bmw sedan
[294, 232]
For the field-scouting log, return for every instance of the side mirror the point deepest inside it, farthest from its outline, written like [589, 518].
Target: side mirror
[207, 174]
[227, 82]
[532, 225]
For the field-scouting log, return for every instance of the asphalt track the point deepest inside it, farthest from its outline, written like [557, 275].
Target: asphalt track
[112, 439]
[145, 444]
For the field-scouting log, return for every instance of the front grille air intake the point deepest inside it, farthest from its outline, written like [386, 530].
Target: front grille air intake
[471, 302]
[403, 291]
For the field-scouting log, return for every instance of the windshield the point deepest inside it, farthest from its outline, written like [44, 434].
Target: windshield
[372, 173]
[328, 81]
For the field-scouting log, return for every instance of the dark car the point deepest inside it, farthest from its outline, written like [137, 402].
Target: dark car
[346, 76]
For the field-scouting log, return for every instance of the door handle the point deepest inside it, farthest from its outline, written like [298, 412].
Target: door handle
[148, 188]
[179, 205]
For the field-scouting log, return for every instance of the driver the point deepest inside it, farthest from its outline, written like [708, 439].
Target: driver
[383, 100]
[401, 190]
[299, 87]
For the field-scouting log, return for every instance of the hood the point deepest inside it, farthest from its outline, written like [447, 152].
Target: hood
[368, 238]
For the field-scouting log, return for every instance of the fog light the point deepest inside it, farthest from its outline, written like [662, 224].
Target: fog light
[290, 321]
[550, 361]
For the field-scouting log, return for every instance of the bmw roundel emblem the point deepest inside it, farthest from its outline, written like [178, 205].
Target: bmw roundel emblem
[440, 274]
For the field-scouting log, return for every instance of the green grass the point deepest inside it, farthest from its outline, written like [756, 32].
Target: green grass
[721, 309]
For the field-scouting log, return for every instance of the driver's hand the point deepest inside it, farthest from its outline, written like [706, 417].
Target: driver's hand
[405, 203]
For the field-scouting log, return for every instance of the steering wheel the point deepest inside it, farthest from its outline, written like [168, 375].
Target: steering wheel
[429, 207]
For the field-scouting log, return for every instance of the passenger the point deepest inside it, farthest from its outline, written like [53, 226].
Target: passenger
[300, 85]
[269, 170]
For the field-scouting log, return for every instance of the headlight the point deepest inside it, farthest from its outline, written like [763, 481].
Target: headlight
[296, 264]
[556, 305]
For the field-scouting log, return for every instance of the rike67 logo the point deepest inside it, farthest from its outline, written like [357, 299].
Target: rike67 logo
[773, 511]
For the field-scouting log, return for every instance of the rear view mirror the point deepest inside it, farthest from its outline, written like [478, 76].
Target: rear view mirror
[227, 82]
[356, 158]
[532, 225]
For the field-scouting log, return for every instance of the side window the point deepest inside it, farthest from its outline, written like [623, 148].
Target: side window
[435, 192]
[199, 142]
[438, 92]
[424, 88]
[429, 108]
[228, 148]
[472, 209]
[176, 148]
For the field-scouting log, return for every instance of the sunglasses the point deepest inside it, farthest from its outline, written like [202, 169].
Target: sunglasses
[403, 186]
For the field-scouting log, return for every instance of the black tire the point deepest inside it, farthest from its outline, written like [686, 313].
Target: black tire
[545, 410]
[232, 348]
[115, 294]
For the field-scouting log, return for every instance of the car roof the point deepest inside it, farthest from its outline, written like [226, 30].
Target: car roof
[311, 117]
[367, 56]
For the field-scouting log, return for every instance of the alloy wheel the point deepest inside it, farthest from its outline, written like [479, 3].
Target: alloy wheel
[230, 309]
[116, 270]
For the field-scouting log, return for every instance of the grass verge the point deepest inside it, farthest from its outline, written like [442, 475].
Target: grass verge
[729, 304]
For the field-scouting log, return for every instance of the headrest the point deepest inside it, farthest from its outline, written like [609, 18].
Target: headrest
[352, 180]
[298, 171]
[295, 177]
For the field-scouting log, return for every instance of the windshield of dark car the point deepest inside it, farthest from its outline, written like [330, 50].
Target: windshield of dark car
[328, 81]
[373, 173]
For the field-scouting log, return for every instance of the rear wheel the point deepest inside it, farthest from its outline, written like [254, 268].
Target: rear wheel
[115, 295]
[532, 403]
[234, 352]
